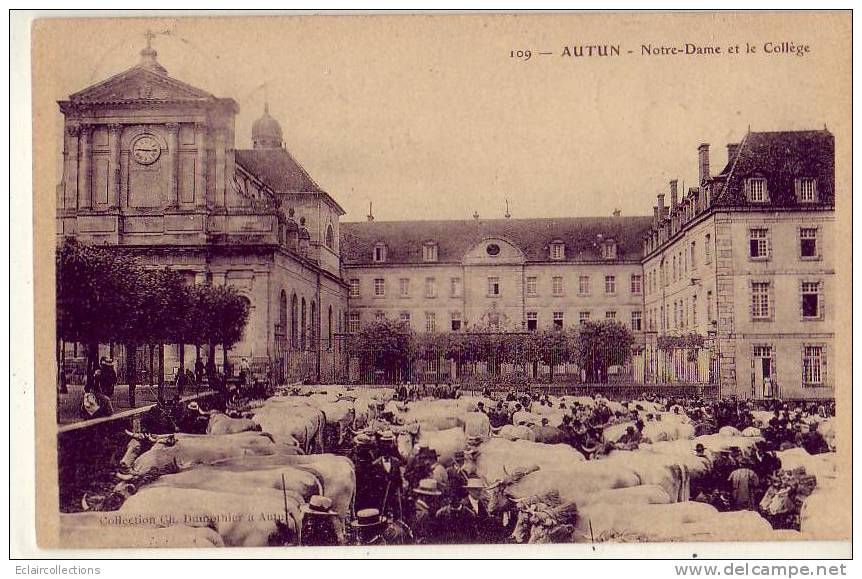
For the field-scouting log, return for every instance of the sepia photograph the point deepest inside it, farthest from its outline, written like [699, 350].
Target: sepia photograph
[384, 280]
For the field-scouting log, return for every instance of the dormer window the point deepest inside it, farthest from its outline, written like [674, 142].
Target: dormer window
[558, 250]
[609, 249]
[757, 192]
[429, 251]
[806, 190]
[380, 253]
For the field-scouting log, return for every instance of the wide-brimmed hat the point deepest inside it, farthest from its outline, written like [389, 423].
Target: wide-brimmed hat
[368, 518]
[386, 436]
[475, 483]
[363, 439]
[318, 505]
[459, 455]
[428, 486]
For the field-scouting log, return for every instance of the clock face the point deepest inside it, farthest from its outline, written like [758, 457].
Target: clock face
[146, 150]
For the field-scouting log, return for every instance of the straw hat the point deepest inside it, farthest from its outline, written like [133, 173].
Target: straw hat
[475, 483]
[428, 486]
[368, 518]
[318, 505]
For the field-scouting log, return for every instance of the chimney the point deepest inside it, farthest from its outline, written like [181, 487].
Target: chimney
[703, 161]
[370, 215]
[732, 148]
[673, 194]
[654, 215]
[661, 207]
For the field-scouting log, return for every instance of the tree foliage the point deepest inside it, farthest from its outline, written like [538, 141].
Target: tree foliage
[598, 345]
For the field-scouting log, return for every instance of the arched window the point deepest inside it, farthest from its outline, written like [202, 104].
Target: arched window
[294, 319]
[282, 313]
[303, 329]
[312, 331]
[330, 237]
[329, 328]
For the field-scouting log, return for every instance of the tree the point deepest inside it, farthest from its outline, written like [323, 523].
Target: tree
[96, 296]
[383, 346]
[225, 317]
[598, 345]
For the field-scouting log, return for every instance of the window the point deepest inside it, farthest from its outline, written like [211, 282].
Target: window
[676, 314]
[558, 320]
[673, 277]
[636, 320]
[379, 287]
[610, 284]
[380, 316]
[429, 252]
[455, 287]
[404, 287]
[758, 243]
[584, 285]
[557, 285]
[760, 300]
[709, 306]
[811, 300]
[757, 190]
[583, 317]
[636, 283]
[532, 321]
[354, 288]
[430, 287]
[813, 365]
[404, 317]
[380, 253]
[558, 251]
[694, 311]
[707, 249]
[808, 242]
[692, 259]
[493, 286]
[330, 237]
[806, 190]
[455, 317]
[530, 287]
[610, 315]
[492, 249]
[353, 322]
[609, 250]
[430, 322]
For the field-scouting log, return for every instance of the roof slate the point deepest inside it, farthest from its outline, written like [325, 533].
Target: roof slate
[404, 239]
[781, 157]
[277, 169]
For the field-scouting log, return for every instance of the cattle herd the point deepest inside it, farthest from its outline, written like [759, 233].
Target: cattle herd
[342, 465]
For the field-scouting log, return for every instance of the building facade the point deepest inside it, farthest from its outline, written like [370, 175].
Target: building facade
[744, 260]
[151, 167]
[747, 258]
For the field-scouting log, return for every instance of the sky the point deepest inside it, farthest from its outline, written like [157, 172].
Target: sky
[430, 117]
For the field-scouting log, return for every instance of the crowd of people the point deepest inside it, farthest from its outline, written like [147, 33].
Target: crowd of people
[424, 502]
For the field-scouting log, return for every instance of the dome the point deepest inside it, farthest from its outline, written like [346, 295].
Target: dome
[266, 132]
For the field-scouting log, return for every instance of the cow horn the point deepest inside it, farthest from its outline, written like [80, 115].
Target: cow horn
[505, 471]
[136, 435]
[84, 504]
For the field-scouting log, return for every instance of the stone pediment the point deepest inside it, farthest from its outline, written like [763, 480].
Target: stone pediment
[139, 84]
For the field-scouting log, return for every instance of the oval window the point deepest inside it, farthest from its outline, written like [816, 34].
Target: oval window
[493, 249]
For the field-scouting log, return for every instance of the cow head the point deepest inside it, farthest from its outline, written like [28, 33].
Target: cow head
[406, 437]
[499, 492]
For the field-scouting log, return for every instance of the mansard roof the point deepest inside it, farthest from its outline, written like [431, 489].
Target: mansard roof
[781, 157]
[582, 236]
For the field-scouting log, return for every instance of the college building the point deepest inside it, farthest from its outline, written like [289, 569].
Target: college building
[744, 260]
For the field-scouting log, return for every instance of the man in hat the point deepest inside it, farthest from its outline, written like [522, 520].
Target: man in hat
[457, 522]
[363, 456]
[369, 527]
[318, 523]
[107, 377]
[456, 475]
[426, 504]
[386, 475]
